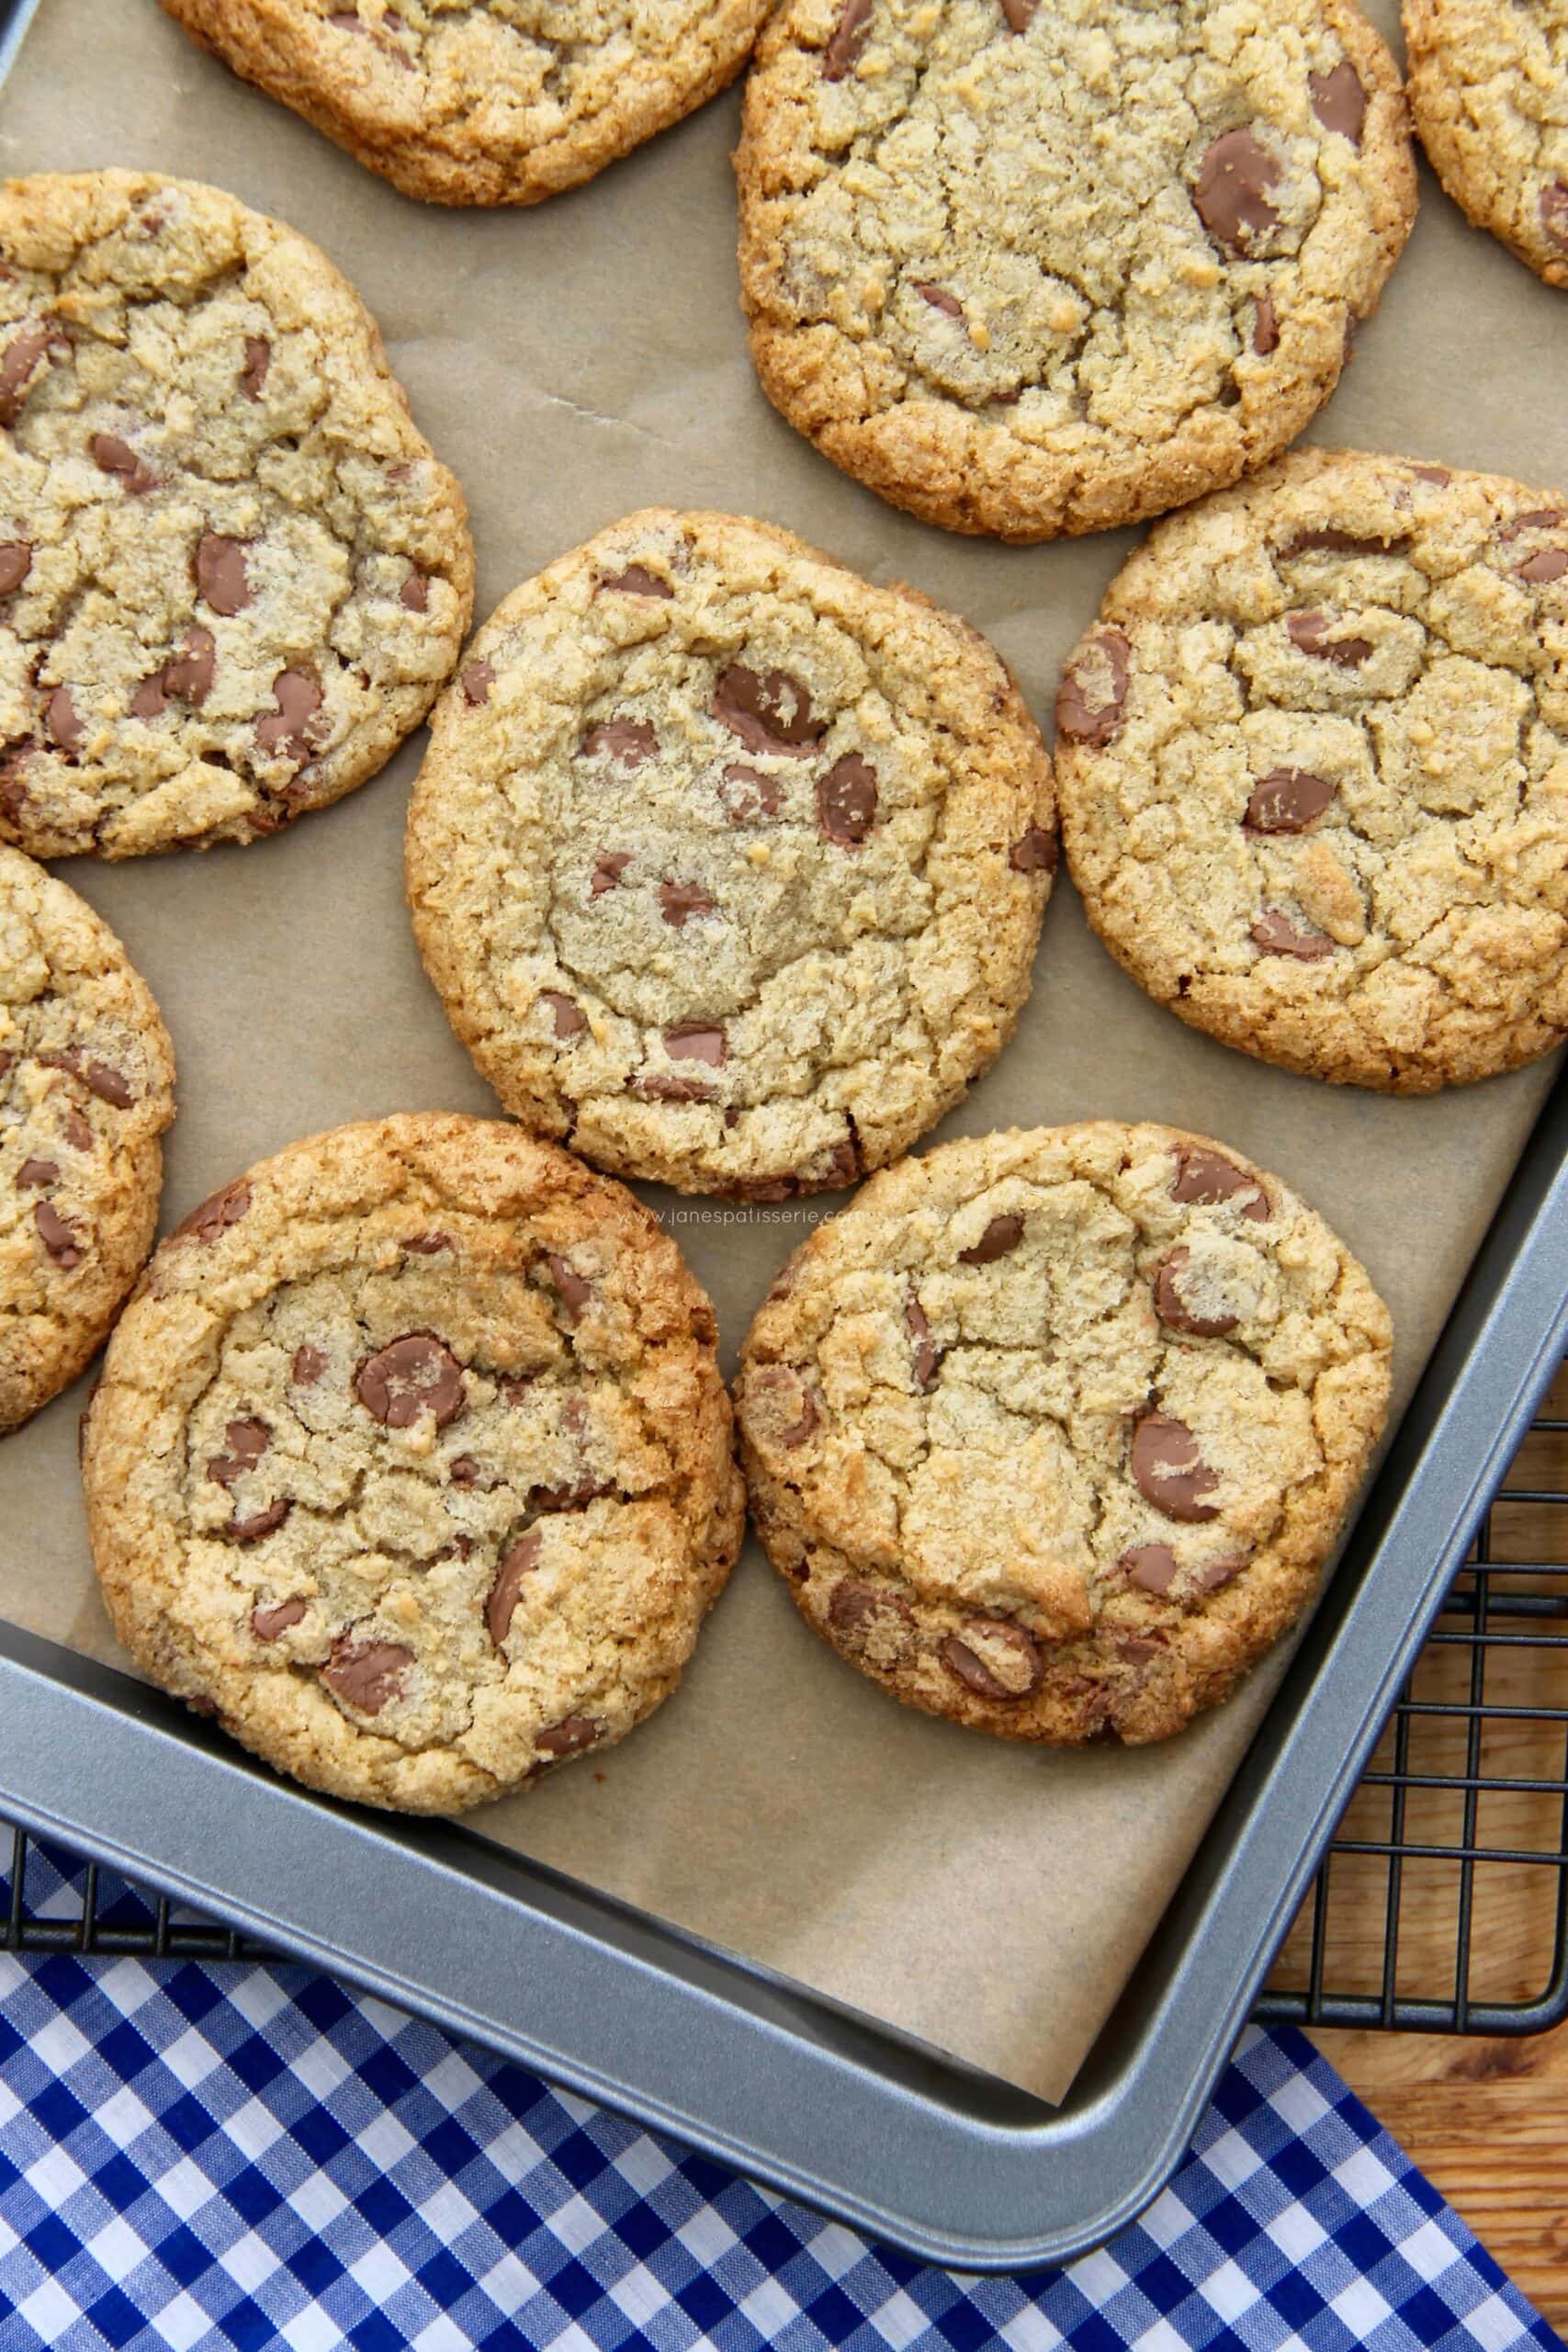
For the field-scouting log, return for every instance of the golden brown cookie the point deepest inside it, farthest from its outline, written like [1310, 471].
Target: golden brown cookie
[232, 575]
[87, 1089]
[412, 1462]
[482, 101]
[1034, 270]
[728, 866]
[1052, 1432]
[1314, 768]
[1489, 92]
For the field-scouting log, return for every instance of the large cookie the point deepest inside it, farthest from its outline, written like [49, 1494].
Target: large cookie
[728, 866]
[1051, 1433]
[482, 101]
[412, 1462]
[1489, 92]
[86, 1089]
[1032, 270]
[233, 576]
[1314, 769]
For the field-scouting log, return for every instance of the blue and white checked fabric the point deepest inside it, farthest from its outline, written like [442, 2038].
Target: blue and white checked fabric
[247, 2157]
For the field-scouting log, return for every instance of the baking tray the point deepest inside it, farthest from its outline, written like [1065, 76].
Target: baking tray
[774, 2079]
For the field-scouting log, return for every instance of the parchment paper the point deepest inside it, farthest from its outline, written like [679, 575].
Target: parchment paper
[571, 363]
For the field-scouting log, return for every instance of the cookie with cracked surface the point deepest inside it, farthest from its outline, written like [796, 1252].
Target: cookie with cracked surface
[1051, 1432]
[1489, 93]
[1314, 767]
[1039, 270]
[482, 101]
[728, 866]
[412, 1462]
[232, 575]
[87, 1089]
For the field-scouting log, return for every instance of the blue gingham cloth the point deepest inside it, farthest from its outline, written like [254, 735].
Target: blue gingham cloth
[205, 2157]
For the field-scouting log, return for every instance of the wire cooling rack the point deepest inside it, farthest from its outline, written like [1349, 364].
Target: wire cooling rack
[1442, 1906]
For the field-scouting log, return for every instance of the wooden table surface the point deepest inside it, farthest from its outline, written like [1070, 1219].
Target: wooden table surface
[1486, 2121]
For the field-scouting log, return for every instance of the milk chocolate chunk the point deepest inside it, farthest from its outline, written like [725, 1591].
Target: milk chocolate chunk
[307, 1366]
[1169, 1471]
[1002, 1234]
[1338, 101]
[770, 710]
[247, 1441]
[664, 1086]
[1173, 1310]
[791, 1405]
[679, 901]
[1328, 538]
[415, 593]
[113, 455]
[188, 678]
[1553, 219]
[846, 801]
[506, 1592]
[566, 1016]
[252, 1528]
[573, 1289]
[1020, 14]
[1151, 1566]
[366, 1674]
[98, 1078]
[16, 563]
[1095, 723]
[477, 680]
[1265, 327]
[877, 1622]
[215, 1214]
[927, 1359]
[848, 38]
[1276, 935]
[1035, 852]
[607, 873]
[995, 1658]
[696, 1041]
[568, 1738]
[1207, 1177]
[630, 742]
[77, 1130]
[258, 359]
[33, 1175]
[266, 1624]
[1219, 1573]
[62, 722]
[221, 573]
[19, 364]
[1542, 568]
[57, 1237]
[939, 297]
[1286, 801]
[1231, 191]
[292, 728]
[748, 796]
[636, 580]
[1309, 633]
[414, 1375]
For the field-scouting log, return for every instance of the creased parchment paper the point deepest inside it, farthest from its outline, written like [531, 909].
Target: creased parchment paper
[571, 363]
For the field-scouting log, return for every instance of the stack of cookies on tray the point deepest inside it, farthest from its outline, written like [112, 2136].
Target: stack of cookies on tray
[410, 1459]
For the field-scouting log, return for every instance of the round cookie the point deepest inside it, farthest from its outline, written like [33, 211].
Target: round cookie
[1489, 92]
[412, 1462]
[1052, 1432]
[233, 576]
[482, 101]
[1314, 769]
[728, 866]
[86, 1089]
[1036, 271]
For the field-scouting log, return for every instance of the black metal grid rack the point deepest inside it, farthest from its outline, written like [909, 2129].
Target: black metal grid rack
[1466, 1796]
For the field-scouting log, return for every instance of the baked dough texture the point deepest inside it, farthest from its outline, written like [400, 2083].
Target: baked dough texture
[1052, 1432]
[412, 1462]
[728, 866]
[1314, 767]
[1032, 270]
[87, 1089]
[233, 574]
[1489, 92]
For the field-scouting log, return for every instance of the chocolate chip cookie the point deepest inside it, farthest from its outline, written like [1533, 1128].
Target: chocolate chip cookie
[1052, 1432]
[86, 1089]
[1489, 92]
[233, 576]
[412, 1463]
[728, 866]
[1314, 767]
[482, 101]
[1033, 270]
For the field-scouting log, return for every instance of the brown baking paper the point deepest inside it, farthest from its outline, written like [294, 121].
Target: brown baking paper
[571, 363]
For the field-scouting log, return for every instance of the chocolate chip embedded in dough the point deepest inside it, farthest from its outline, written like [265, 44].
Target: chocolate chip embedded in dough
[1340, 101]
[1542, 568]
[1230, 192]
[415, 593]
[1288, 801]
[1275, 934]
[1035, 852]
[680, 902]
[769, 709]
[573, 1290]
[1328, 538]
[33, 1175]
[221, 573]
[19, 364]
[1020, 14]
[846, 801]
[847, 39]
[607, 873]
[101, 1079]
[569, 1736]
[366, 1674]
[1169, 1471]
[927, 1358]
[63, 723]
[113, 455]
[247, 1441]
[258, 359]
[307, 1365]
[215, 1215]
[188, 677]
[266, 1624]
[939, 297]
[566, 1016]
[58, 1237]
[630, 742]
[994, 1658]
[267, 1521]
[748, 796]
[788, 1406]
[636, 580]
[875, 1622]
[695, 1041]
[293, 726]
[1265, 326]
[16, 563]
[1151, 1566]
[477, 682]
[1553, 219]
[77, 1130]
[663, 1086]
[1173, 1310]
[518, 1563]
[1206, 1177]
[411, 1376]
[1308, 632]
[1003, 1234]
[1219, 1573]
[1095, 723]
[1438, 476]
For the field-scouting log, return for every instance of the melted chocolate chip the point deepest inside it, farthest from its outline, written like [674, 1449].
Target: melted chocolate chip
[1002, 1235]
[770, 710]
[927, 1360]
[113, 455]
[1542, 568]
[573, 1290]
[1231, 194]
[307, 1366]
[415, 593]
[1438, 475]
[748, 796]
[607, 873]
[569, 1736]
[1219, 1573]
[18, 364]
[221, 573]
[1276, 935]
[679, 901]
[1151, 1566]
[33, 1175]
[293, 727]
[1338, 101]
[78, 1133]
[1553, 219]
[411, 1376]
[1095, 723]
[847, 39]
[427, 1245]
[215, 1214]
[1328, 539]
[1265, 327]
[58, 1237]
[16, 563]
[266, 1624]
[1169, 1471]
[1206, 1178]
[188, 678]
[783, 1392]
[1020, 14]
[477, 680]
[265, 1521]
[366, 1674]
[1309, 633]
[247, 1441]
[846, 801]
[994, 1658]
[1173, 1310]
[463, 1471]
[661, 1086]
[258, 359]
[505, 1594]
[62, 722]
[870, 1619]
[98, 1078]
[695, 1041]
[1035, 852]
[636, 580]
[1286, 801]
[630, 742]
[939, 298]
[566, 1016]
